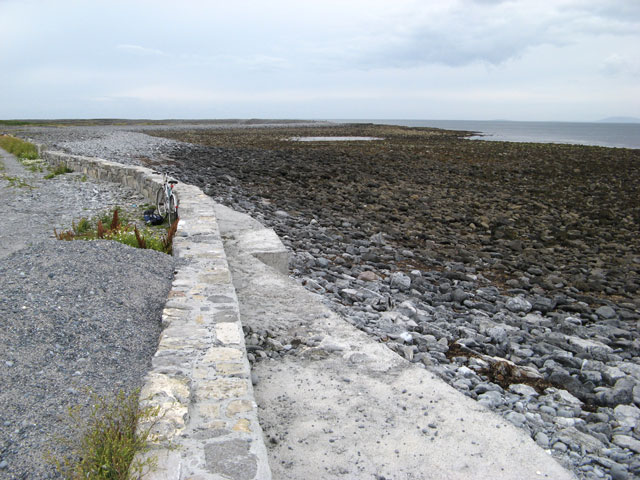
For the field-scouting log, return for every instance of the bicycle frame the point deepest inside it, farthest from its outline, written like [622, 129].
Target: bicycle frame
[168, 207]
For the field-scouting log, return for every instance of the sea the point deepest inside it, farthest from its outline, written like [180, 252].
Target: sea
[620, 135]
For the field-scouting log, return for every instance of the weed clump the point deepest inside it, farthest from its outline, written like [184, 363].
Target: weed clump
[16, 182]
[59, 170]
[111, 438]
[120, 230]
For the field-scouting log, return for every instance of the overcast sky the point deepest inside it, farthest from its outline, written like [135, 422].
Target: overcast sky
[568, 60]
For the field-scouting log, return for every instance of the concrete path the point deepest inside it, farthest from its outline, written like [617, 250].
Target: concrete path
[347, 406]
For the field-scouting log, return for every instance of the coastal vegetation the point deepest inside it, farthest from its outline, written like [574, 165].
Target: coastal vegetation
[59, 170]
[115, 226]
[19, 148]
[109, 440]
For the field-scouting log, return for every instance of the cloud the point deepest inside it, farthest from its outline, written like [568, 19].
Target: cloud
[263, 63]
[619, 64]
[167, 93]
[180, 93]
[493, 32]
[139, 50]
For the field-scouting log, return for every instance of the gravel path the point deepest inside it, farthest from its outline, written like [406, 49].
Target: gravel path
[73, 315]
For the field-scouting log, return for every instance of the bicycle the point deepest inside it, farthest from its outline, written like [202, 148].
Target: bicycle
[167, 200]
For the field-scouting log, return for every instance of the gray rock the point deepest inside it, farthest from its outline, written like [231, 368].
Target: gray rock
[612, 374]
[573, 436]
[623, 389]
[610, 397]
[516, 418]
[627, 415]
[407, 308]
[459, 295]
[518, 304]
[542, 439]
[560, 447]
[491, 399]
[401, 281]
[626, 441]
[498, 334]
[543, 304]
[522, 389]
[619, 472]
[606, 312]
[232, 459]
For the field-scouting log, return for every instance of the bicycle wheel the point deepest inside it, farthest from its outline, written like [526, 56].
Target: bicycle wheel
[161, 203]
[173, 208]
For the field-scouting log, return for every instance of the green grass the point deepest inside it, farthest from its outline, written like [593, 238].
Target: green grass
[117, 226]
[15, 182]
[15, 123]
[20, 148]
[110, 440]
[34, 165]
[59, 170]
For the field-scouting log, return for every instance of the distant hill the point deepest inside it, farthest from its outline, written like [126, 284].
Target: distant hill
[620, 120]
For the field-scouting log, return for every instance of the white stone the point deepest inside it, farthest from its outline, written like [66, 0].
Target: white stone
[566, 397]
[522, 389]
[228, 333]
[627, 415]
[518, 304]
[625, 441]
[586, 345]
[630, 369]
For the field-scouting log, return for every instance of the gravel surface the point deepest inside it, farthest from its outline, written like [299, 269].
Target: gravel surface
[129, 144]
[74, 315]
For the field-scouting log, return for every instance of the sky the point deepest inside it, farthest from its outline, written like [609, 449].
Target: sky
[542, 60]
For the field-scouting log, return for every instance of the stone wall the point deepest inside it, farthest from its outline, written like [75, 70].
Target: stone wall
[200, 376]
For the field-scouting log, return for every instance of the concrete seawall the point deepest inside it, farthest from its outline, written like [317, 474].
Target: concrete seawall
[200, 376]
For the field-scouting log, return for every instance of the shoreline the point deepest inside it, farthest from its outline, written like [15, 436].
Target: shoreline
[500, 268]
[501, 288]
[597, 134]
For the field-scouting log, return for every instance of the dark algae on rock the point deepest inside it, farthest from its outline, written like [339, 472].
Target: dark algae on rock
[554, 218]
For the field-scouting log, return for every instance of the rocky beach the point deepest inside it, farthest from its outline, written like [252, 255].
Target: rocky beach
[510, 270]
